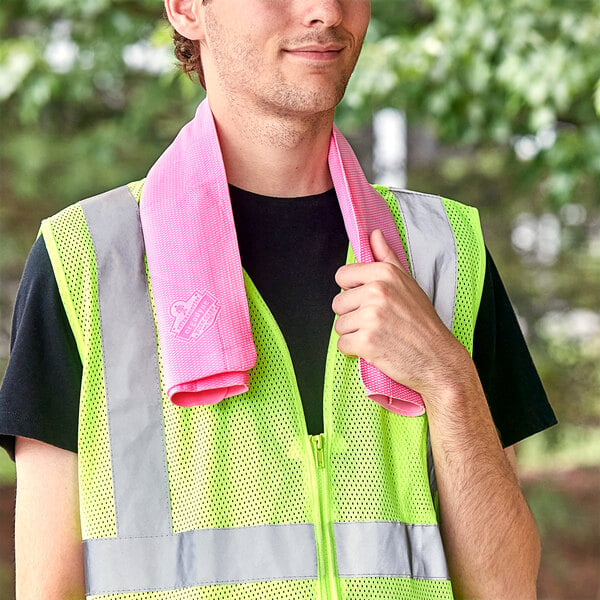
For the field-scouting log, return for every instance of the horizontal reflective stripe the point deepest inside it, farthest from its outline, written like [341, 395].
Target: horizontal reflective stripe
[201, 557]
[390, 549]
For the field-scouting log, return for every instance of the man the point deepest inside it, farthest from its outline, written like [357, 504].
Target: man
[250, 514]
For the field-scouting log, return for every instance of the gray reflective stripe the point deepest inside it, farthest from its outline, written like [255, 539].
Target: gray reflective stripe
[390, 549]
[434, 262]
[201, 557]
[432, 249]
[132, 381]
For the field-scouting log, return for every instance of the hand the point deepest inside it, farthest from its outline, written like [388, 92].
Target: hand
[387, 319]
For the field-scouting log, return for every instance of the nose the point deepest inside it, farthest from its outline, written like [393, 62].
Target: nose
[327, 13]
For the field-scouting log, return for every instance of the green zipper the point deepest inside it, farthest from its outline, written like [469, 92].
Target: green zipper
[328, 581]
[316, 455]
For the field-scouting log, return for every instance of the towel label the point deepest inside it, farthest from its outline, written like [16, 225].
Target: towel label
[195, 316]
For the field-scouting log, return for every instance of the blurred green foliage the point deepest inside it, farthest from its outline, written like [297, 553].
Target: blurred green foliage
[89, 99]
[486, 72]
[76, 118]
[7, 471]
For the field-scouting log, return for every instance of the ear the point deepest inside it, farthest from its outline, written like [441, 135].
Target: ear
[186, 17]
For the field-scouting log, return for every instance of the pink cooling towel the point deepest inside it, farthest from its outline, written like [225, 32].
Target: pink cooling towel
[196, 273]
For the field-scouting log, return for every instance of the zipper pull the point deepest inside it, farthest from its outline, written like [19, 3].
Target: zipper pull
[318, 442]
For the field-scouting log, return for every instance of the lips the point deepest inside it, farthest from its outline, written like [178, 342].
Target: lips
[316, 52]
[317, 48]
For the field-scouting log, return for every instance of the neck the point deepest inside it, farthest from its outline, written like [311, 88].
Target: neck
[275, 155]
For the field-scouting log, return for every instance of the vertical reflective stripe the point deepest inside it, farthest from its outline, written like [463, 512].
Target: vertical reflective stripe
[201, 557]
[432, 257]
[132, 380]
[390, 549]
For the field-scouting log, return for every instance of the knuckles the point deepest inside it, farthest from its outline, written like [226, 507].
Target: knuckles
[379, 290]
[373, 315]
[389, 272]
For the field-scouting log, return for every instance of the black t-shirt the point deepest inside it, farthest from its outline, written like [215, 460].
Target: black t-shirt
[291, 248]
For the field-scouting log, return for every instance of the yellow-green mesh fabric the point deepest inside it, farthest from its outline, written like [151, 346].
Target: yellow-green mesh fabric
[136, 187]
[379, 458]
[73, 259]
[355, 589]
[396, 589]
[471, 269]
[270, 590]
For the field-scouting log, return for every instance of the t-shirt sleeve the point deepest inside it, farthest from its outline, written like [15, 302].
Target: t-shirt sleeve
[515, 394]
[39, 396]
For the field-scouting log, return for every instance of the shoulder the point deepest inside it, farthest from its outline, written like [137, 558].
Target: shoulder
[424, 203]
[109, 201]
[37, 289]
[429, 216]
[112, 212]
[84, 238]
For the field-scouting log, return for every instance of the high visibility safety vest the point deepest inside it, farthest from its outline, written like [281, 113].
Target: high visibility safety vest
[236, 500]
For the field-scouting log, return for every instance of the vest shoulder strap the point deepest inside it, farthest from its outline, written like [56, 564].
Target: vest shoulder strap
[444, 245]
[72, 254]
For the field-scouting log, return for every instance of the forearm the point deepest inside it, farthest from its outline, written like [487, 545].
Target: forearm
[491, 541]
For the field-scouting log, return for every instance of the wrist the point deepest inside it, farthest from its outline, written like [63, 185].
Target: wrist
[455, 382]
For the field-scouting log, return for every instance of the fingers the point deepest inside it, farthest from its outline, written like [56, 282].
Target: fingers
[346, 324]
[377, 293]
[359, 310]
[382, 251]
[347, 345]
[350, 276]
[358, 274]
[357, 340]
[385, 267]
[370, 293]
[347, 301]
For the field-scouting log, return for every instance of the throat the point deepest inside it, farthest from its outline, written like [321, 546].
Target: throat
[277, 157]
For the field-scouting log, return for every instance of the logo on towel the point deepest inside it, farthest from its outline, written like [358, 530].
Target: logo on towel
[195, 316]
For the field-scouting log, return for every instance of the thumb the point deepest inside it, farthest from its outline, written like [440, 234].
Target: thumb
[382, 251]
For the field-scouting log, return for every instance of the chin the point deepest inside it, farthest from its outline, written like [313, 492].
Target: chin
[309, 100]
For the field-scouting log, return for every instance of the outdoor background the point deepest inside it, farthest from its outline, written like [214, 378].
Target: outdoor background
[501, 105]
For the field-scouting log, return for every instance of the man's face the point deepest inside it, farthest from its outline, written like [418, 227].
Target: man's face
[282, 56]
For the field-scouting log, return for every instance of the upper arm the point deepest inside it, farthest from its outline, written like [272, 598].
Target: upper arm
[48, 547]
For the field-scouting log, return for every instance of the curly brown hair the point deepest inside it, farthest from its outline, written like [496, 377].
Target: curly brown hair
[187, 53]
